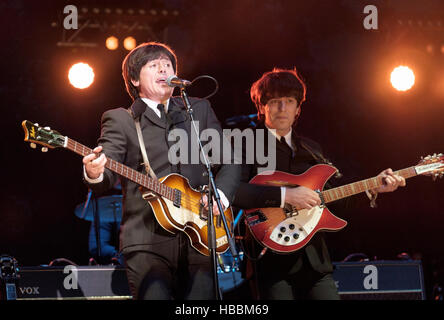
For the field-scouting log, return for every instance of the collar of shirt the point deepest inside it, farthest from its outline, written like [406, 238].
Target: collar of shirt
[153, 105]
[287, 137]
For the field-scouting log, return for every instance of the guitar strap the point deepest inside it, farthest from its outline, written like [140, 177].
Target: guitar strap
[146, 162]
[319, 157]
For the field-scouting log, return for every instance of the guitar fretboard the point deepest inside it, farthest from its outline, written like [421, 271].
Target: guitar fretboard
[348, 190]
[125, 171]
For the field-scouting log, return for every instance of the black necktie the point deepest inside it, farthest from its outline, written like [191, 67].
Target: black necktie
[285, 144]
[161, 108]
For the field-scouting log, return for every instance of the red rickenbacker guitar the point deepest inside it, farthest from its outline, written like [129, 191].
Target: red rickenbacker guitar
[285, 230]
[176, 205]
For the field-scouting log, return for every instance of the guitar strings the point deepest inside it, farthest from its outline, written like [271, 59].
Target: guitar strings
[187, 201]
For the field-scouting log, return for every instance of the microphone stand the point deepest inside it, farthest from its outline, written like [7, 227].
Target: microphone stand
[96, 215]
[211, 191]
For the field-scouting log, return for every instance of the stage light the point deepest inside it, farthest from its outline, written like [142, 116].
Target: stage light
[402, 78]
[129, 43]
[81, 75]
[112, 43]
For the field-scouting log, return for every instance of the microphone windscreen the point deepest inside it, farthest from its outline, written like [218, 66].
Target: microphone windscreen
[169, 79]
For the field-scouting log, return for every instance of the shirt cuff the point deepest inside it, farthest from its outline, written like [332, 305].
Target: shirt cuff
[89, 180]
[223, 199]
[282, 197]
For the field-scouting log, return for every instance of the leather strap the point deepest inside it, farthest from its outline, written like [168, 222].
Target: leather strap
[146, 162]
[319, 157]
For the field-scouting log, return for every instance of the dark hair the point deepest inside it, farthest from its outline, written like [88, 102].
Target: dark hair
[278, 83]
[138, 57]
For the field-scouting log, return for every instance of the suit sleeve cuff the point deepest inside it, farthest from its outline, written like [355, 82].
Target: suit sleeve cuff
[92, 181]
[223, 199]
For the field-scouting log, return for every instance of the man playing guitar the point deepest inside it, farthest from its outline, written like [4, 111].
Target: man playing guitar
[307, 273]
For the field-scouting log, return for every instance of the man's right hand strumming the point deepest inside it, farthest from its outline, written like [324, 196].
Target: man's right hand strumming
[302, 197]
[95, 166]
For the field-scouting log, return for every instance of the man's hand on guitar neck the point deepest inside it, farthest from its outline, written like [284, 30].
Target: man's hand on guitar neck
[390, 180]
[95, 165]
[302, 197]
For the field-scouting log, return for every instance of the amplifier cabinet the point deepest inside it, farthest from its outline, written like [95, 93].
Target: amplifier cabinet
[368, 280]
[73, 282]
[380, 280]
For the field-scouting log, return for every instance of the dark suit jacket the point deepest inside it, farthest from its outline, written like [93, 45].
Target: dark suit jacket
[255, 196]
[139, 227]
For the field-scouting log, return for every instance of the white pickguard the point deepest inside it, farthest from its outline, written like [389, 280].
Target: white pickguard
[301, 225]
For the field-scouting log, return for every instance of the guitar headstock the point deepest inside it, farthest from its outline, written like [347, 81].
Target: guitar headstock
[44, 136]
[432, 165]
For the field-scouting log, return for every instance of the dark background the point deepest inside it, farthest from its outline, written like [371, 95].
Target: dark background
[363, 124]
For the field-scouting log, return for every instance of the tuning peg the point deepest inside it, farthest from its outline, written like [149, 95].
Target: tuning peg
[47, 128]
[33, 145]
[44, 149]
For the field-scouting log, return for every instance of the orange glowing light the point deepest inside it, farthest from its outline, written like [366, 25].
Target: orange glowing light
[402, 78]
[81, 75]
[129, 43]
[112, 43]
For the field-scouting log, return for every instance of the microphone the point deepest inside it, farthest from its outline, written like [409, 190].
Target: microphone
[174, 81]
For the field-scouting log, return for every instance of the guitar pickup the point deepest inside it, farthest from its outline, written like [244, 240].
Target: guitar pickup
[177, 198]
[290, 211]
[321, 196]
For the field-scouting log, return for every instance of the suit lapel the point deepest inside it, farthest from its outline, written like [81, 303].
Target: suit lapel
[279, 145]
[176, 111]
[152, 116]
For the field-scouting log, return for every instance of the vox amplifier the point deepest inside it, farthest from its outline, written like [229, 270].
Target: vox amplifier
[72, 282]
[380, 280]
